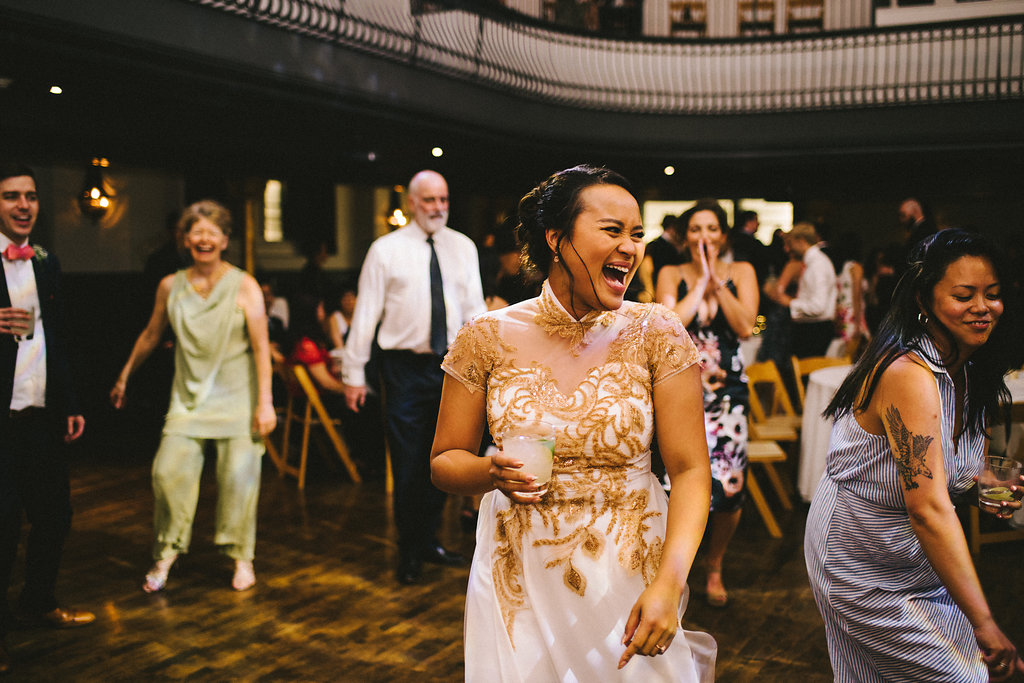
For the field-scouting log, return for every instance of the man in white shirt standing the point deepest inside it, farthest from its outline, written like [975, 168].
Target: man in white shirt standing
[38, 412]
[813, 309]
[420, 283]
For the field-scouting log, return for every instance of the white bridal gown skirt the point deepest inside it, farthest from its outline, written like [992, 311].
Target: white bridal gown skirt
[556, 633]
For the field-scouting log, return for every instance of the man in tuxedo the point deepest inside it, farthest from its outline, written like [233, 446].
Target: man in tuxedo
[419, 284]
[38, 412]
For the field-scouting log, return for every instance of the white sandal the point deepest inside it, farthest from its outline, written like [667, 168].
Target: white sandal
[156, 577]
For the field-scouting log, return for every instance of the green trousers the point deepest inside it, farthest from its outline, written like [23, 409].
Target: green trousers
[176, 471]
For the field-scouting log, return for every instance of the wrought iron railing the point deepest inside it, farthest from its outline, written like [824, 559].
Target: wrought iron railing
[979, 60]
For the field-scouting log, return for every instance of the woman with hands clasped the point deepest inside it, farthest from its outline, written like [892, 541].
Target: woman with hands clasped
[574, 577]
[221, 393]
[886, 554]
[717, 301]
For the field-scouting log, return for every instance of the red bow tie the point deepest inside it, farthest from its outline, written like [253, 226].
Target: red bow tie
[16, 253]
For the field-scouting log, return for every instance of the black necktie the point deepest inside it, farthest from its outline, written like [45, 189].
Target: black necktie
[438, 317]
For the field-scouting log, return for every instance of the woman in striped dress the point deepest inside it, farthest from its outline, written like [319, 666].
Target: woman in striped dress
[886, 555]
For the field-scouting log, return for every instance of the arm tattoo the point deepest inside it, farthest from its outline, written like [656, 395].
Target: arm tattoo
[910, 449]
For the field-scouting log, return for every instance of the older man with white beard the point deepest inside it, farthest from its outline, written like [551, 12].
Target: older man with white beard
[420, 283]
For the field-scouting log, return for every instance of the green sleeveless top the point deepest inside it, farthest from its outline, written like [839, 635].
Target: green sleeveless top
[214, 390]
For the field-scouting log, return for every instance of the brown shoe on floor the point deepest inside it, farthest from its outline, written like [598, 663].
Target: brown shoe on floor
[62, 617]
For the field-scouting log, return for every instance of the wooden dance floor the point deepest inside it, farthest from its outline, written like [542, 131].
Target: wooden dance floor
[327, 607]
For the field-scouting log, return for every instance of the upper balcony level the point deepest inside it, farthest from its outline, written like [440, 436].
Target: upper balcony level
[498, 75]
[961, 61]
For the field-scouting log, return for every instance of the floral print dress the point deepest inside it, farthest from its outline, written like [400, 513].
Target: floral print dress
[726, 403]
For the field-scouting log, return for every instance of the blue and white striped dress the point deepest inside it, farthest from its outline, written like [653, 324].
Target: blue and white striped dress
[887, 615]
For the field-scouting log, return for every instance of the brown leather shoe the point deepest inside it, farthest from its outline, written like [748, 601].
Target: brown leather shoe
[62, 617]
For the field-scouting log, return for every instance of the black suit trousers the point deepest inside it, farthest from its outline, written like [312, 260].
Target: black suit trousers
[33, 484]
[412, 398]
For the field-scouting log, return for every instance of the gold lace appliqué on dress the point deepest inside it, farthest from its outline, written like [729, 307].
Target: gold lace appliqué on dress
[603, 433]
[477, 350]
[553, 319]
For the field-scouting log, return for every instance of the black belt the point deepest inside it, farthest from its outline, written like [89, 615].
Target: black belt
[24, 413]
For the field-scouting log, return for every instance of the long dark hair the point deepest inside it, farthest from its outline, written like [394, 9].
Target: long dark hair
[554, 205]
[900, 331]
[303, 321]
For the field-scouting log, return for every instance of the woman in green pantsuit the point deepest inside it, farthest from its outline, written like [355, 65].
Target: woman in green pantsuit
[221, 393]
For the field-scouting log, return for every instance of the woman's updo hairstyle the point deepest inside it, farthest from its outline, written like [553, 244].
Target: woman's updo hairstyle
[554, 205]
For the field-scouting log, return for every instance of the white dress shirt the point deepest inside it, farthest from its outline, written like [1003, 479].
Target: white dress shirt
[394, 290]
[816, 291]
[30, 367]
[279, 309]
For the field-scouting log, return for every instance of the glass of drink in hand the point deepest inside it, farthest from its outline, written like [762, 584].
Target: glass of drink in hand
[997, 475]
[22, 328]
[533, 444]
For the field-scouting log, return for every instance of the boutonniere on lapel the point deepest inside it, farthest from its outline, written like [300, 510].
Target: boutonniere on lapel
[40, 254]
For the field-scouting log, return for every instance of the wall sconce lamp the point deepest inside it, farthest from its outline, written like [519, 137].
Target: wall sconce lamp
[95, 198]
[396, 218]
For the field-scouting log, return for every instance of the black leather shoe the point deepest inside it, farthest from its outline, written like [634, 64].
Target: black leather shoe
[5, 658]
[410, 570]
[438, 554]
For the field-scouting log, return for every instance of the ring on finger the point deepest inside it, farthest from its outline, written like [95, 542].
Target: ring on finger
[661, 649]
[1002, 666]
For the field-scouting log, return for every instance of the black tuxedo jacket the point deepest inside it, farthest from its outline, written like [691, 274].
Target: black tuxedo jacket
[60, 394]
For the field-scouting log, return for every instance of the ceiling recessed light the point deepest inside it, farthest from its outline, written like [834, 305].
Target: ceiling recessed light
[437, 151]
[669, 170]
[56, 90]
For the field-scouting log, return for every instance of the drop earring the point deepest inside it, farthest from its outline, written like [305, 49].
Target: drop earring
[922, 318]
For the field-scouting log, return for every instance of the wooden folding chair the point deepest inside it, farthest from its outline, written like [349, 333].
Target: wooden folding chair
[802, 367]
[781, 422]
[765, 453]
[278, 454]
[305, 407]
[977, 538]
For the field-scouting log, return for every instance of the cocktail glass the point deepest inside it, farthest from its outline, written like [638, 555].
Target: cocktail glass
[532, 443]
[997, 475]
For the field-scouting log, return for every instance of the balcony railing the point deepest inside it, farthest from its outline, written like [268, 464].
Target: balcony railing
[979, 60]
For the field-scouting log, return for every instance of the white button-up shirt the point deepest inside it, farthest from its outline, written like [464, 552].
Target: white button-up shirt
[816, 291]
[394, 290]
[30, 367]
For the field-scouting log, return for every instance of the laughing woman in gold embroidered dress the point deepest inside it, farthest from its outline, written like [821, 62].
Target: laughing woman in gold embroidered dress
[574, 578]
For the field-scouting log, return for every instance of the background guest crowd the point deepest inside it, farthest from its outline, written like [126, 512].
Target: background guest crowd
[628, 351]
